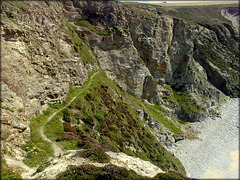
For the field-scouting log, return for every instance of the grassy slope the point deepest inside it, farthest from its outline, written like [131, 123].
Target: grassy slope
[104, 121]
[38, 150]
[111, 172]
[9, 172]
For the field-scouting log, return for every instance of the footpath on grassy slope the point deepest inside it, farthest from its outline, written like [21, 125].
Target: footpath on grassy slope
[57, 149]
[58, 152]
[28, 170]
[59, 164]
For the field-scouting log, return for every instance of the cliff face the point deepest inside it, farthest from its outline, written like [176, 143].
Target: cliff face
[49, 46]
[37, 66]
[153, 50]
[232, 14]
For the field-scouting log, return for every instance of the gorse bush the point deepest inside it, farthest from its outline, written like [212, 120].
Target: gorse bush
[67, 136]
[67, 128]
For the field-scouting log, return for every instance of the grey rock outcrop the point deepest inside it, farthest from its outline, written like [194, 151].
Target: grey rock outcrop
[164, 135]
[34, 72]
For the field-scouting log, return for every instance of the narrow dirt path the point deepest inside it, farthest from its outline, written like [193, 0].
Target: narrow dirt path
[58, 150]
[60, 164]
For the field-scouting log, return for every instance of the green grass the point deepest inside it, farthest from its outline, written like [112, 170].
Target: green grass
[185, 101]
[53, 129]
[69, 145]
[189, 109]
[61, 53]
[79, 46]
[20, 110]
[159, 115]
[20, 5]
[38, 150]
[116, 123]
[87, 24]
[7, 108]
[9, 172]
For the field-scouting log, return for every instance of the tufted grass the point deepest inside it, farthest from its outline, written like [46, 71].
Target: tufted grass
[38, 150]
[79, 46]
[159, 115]
[87, 24]
[9, 172]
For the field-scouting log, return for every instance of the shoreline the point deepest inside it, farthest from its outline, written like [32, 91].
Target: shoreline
[215, 154]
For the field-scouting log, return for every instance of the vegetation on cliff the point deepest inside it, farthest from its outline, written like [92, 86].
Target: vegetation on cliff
[99, 119]
[104, 117]
[112, 172]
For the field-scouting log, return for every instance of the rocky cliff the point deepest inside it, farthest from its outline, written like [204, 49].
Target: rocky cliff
[183, 67]
[155, 49]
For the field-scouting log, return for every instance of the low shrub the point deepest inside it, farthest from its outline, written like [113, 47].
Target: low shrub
[171, 175]
[100, 115]
[67, 136]
[66, 115]
[95, 154]
[87, 24]
[92, 172]
[88, 120]
[89, 97]
[87, 142]
[67, 128]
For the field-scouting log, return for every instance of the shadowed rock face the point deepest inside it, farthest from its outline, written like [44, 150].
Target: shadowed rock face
[234, 11]
[232, 14]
